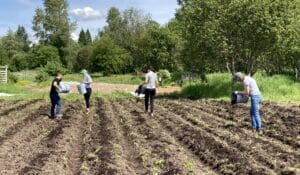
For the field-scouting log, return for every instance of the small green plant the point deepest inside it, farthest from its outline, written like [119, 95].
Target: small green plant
[145, 155]
[189, 165]
[159, 162]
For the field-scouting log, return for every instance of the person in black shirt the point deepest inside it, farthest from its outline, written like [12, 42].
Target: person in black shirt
[54, 97]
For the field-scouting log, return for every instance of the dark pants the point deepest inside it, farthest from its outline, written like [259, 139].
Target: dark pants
[149, 93]
[55, 104]
[87, 97]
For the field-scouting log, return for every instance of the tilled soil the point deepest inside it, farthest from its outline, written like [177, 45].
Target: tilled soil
[118, 137]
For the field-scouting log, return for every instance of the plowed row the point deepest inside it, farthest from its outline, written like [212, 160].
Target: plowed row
[184, 137]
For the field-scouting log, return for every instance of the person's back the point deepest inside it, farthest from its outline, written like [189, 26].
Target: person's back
[152, 78]
[249, 81]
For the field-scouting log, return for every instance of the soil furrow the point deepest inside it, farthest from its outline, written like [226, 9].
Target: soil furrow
[18, 107]
[186, 107]
[130, 153]
[178, 160]
[265, 154]
[224, 159]
[103, 156]
[66, 158]
[48, 144]
[234, 113]
[11, 127]
[17, 149]
[4, 104]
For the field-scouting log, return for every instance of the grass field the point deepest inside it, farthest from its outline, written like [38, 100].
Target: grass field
[219, 85]
[279, 88]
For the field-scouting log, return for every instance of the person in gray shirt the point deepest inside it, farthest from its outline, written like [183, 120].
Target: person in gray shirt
[251, 89]
[87, 80]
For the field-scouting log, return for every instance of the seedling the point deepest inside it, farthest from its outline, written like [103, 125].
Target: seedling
[159, 162]
[189, 165]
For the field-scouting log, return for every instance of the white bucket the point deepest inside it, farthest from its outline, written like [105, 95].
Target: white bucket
[81, 88]
[64, 88]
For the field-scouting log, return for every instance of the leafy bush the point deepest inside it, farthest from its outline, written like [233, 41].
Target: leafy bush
[42, 54]
[19, 61]
[165, 76]
[109, 58]
[53, 67]
[12, 78]
[41, 76]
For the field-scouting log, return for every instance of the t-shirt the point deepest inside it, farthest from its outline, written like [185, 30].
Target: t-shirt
[254, 90]
[151, 77]
[87, 80]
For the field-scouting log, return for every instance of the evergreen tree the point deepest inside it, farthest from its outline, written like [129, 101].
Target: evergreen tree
[88, 37]
[22, 35]
[82, 38]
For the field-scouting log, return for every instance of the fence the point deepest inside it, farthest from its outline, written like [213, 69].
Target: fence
[3, 74]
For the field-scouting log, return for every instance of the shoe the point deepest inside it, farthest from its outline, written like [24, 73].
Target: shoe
[151, 115]
[58, 116]
[87, 111]
[259, 132]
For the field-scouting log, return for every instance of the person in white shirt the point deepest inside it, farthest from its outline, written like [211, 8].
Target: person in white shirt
[87, 80]
[251, 89]
[150, 91]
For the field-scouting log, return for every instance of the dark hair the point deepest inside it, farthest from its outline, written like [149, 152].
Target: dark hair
[152, 69]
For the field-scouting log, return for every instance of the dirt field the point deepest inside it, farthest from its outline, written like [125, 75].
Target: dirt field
[184, 137]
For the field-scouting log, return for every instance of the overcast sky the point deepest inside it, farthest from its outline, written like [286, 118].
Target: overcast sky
[88, 13]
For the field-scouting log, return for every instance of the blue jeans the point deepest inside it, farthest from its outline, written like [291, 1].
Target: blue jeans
[254, 112]
[55, 105]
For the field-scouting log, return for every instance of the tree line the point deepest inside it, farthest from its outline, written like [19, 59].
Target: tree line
[204, 36]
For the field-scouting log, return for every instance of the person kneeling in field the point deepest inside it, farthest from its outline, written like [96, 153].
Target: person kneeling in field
[150, 91]
[251, 89]
[54, 97]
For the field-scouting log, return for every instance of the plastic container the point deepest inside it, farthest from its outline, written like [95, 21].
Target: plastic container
[239, 98]
[81, 88]
[64, 88]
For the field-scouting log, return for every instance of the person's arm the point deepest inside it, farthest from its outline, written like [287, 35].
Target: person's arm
[156, 81]
[55, 85]
[246, 90]
[146, 79]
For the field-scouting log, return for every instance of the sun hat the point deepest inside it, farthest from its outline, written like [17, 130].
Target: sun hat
[83, 71]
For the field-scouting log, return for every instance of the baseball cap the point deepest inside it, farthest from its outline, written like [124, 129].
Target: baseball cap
[237, 76]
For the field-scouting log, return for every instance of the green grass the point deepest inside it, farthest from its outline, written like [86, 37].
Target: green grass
[280, 88]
